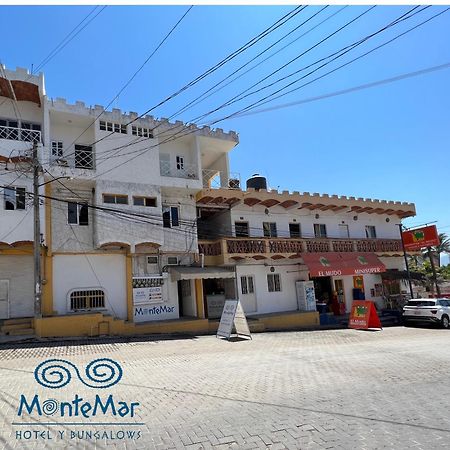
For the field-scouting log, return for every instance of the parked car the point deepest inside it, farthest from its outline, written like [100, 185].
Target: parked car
[435, 310]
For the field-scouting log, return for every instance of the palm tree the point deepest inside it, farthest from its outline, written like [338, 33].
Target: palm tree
[443, 247]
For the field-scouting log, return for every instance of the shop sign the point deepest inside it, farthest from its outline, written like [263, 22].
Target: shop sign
[420, 238]
[147, 290]
[364, 315]
[146, 312]
[147, 295]
[233, 316]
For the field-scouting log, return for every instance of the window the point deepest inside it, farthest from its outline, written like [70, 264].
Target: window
[294, 230]
[87, 299]
[30, 132]
[14, 198]
[274, 282]
[57, 149]
[241, 229]
[247, 285]
[115, 127]
[140, 131]
[270, 229]
[117, 199]
[320, 230]
[180, 163]
[152, 260]
[77, 214]
[144, 201]
[371, 232]
[172, 260]
[83, 157]
[171, 216]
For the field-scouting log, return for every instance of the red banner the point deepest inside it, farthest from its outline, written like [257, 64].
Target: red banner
[337, 264]
[420, 238]
[363, 315]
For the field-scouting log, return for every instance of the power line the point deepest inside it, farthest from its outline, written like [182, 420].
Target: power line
[211, 70]
[134, 74]
[350, 90]
[265, 100]
[139, 152]
[218, 88]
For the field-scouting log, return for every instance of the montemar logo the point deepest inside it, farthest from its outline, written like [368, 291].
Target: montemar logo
[57, 374]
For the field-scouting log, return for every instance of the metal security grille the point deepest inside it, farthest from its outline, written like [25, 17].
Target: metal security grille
[83, 157]
[88, 299]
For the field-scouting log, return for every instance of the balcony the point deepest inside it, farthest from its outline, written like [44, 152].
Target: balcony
[180, 170]
[19, 134]
[216, 179]
[224, 251]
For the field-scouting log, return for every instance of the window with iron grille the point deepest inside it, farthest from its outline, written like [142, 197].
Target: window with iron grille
[274, 282]
[57, 148]
[87, 299]
[247, 285]
[83, 157]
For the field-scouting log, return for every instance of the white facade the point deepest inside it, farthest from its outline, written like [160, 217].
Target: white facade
[122, 186]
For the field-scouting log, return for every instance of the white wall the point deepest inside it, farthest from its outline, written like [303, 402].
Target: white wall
[90, 271]
[18, 270]
[17, 225]
[269, 302]
[256, 216]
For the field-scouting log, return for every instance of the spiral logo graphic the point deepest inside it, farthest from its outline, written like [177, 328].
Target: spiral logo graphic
[50, 406]
[100, 373]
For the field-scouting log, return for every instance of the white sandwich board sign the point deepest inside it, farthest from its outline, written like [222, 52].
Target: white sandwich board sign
[233, 316]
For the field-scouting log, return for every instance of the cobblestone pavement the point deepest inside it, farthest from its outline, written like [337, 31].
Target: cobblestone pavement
[342, 389]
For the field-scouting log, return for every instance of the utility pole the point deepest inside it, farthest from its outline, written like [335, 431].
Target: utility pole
[433, 268]
[406, 261]
[37, 235]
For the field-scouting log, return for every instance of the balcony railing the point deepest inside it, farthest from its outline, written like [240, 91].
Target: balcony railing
[216, 179]
[20, 134]
[179, 170]
[289, 247]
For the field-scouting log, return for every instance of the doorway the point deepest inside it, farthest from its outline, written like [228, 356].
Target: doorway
[324, 290]
[247, 293]
[4, 299]
[186, 299]
[343, 231]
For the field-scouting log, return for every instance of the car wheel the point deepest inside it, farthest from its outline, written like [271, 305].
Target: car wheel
[445, 321]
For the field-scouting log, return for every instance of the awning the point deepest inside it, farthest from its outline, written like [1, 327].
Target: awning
[192, 273]
[336, 264]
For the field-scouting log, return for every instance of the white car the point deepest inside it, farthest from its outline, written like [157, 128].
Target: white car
[436, 310]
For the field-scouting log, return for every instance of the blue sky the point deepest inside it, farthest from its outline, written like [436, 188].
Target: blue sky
[389, 142]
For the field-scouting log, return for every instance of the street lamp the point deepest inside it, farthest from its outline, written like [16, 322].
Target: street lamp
[55, 179]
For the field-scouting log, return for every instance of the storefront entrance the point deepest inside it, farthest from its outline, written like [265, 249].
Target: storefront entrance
[216, 291]
[324, 293]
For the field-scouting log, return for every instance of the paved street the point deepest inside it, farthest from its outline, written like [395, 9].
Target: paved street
[322, 389]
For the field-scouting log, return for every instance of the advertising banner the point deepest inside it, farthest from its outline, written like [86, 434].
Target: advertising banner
[364, 315]
[233, 316]
[420, 238]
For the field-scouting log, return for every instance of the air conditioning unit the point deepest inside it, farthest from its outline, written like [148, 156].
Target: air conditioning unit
[234, 183]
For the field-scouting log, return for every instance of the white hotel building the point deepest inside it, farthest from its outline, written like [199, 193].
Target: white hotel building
[189, 236]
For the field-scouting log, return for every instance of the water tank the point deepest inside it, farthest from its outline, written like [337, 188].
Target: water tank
[257, 182]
